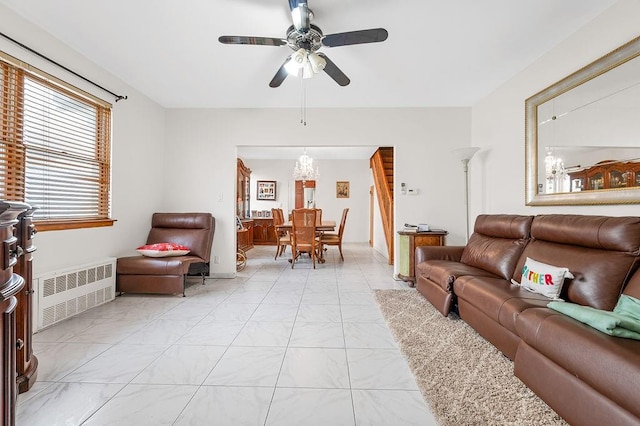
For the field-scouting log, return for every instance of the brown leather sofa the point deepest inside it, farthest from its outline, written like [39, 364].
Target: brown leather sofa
[167, 275]
[586, 376]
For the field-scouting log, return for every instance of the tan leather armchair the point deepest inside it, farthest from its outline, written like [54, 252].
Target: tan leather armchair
[167, 275]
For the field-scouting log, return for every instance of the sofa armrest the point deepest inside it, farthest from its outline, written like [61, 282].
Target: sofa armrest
[452, 253]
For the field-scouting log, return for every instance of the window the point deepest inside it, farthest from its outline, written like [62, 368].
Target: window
[54, 148]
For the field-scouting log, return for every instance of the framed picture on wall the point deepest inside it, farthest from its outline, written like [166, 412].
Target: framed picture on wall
[342, 189]
[266, 190]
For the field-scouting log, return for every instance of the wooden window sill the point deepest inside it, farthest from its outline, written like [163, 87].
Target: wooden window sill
[59, 225]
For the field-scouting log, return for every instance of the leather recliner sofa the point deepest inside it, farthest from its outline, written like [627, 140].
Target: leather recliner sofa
[167, 275]
[587, 377]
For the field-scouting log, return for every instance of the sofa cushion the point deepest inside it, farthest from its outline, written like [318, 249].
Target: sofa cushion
[497, 242]
[608, 364]
[599, 232]
[497, 298]
[141, 265]
[543, 278]
[444, 272]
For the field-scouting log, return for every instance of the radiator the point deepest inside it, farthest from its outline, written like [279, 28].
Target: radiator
[65, 293]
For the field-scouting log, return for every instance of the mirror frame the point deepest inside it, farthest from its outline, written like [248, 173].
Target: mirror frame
[600, 66]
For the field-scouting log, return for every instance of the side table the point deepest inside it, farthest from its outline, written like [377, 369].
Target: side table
[408, 241]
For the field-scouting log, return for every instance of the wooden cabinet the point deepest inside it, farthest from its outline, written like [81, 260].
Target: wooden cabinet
[243, 192]
[607, 175]
[10, 285]
[245, 235]
[264, 232]
[408, 241]
[26, 362]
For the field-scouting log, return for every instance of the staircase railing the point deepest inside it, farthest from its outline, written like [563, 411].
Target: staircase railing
[385, 200]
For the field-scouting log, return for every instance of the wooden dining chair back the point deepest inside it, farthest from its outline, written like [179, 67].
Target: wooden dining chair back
[303, 235]
[283, 237]
[332, 239]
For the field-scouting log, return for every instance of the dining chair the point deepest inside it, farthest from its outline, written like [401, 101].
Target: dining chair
[283, 237]
[332, 239]
[303, 235]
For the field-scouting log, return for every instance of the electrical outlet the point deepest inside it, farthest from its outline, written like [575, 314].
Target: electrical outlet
[216, 260]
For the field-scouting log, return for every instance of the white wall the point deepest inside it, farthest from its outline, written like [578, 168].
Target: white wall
[202, 143]
[356, 172]
[185, 160]
[137, 155]
[497, 172]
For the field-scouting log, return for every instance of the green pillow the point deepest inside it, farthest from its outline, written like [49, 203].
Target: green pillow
[612, 323]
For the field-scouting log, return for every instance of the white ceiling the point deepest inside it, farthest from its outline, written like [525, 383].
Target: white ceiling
[439, 53]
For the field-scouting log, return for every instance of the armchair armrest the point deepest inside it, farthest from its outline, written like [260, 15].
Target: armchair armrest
[453, 253]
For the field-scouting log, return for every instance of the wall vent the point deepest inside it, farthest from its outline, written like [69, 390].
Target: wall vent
[62, 294]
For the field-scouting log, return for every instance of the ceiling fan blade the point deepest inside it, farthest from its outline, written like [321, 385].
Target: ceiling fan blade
[334, 72]
[374, 35]
[300, 14]
[282, 73]
[258, 41]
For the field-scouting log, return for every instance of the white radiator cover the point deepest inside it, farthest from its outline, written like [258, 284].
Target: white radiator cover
[62, 294]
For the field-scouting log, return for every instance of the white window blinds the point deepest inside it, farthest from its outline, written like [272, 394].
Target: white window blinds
[54, 148]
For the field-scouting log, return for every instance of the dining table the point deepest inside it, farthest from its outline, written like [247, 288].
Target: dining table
[325, 226]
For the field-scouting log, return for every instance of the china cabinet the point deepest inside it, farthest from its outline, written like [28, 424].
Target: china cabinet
[606, 175]
[242, 191]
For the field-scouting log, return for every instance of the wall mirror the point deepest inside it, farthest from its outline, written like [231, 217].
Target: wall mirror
[582, 140]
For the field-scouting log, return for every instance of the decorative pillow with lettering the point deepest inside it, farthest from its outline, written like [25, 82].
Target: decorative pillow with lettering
[163, 250]
[544, 279]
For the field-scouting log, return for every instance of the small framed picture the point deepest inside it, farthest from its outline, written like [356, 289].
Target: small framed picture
[266, 190]
[342, 189]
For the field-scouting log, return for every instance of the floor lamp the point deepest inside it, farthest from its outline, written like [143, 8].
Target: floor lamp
[465, 155]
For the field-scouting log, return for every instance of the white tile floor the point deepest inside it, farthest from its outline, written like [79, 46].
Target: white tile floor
[274, 346]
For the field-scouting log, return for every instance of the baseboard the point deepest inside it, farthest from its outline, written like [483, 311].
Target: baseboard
[212, 276]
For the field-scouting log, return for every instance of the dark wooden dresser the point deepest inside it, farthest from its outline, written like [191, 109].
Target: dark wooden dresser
[26, 363]
[11, 284]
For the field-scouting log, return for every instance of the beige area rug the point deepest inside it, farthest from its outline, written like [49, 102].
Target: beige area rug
[464, 379]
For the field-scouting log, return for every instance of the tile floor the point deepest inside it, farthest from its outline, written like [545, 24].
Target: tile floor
[274, 346]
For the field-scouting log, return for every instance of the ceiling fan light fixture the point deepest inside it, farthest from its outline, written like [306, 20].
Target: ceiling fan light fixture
[292, 67]
[296, 62]
[317, 62]
[300, 56]
[307, 70]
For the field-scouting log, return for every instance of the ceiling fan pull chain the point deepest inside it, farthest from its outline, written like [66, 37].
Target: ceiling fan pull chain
[303, 103]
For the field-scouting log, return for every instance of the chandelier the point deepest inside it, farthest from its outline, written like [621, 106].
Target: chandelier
[304, 169]
[554, 172]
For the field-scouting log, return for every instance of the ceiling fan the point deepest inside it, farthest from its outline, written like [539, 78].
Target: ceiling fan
[305, 39]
